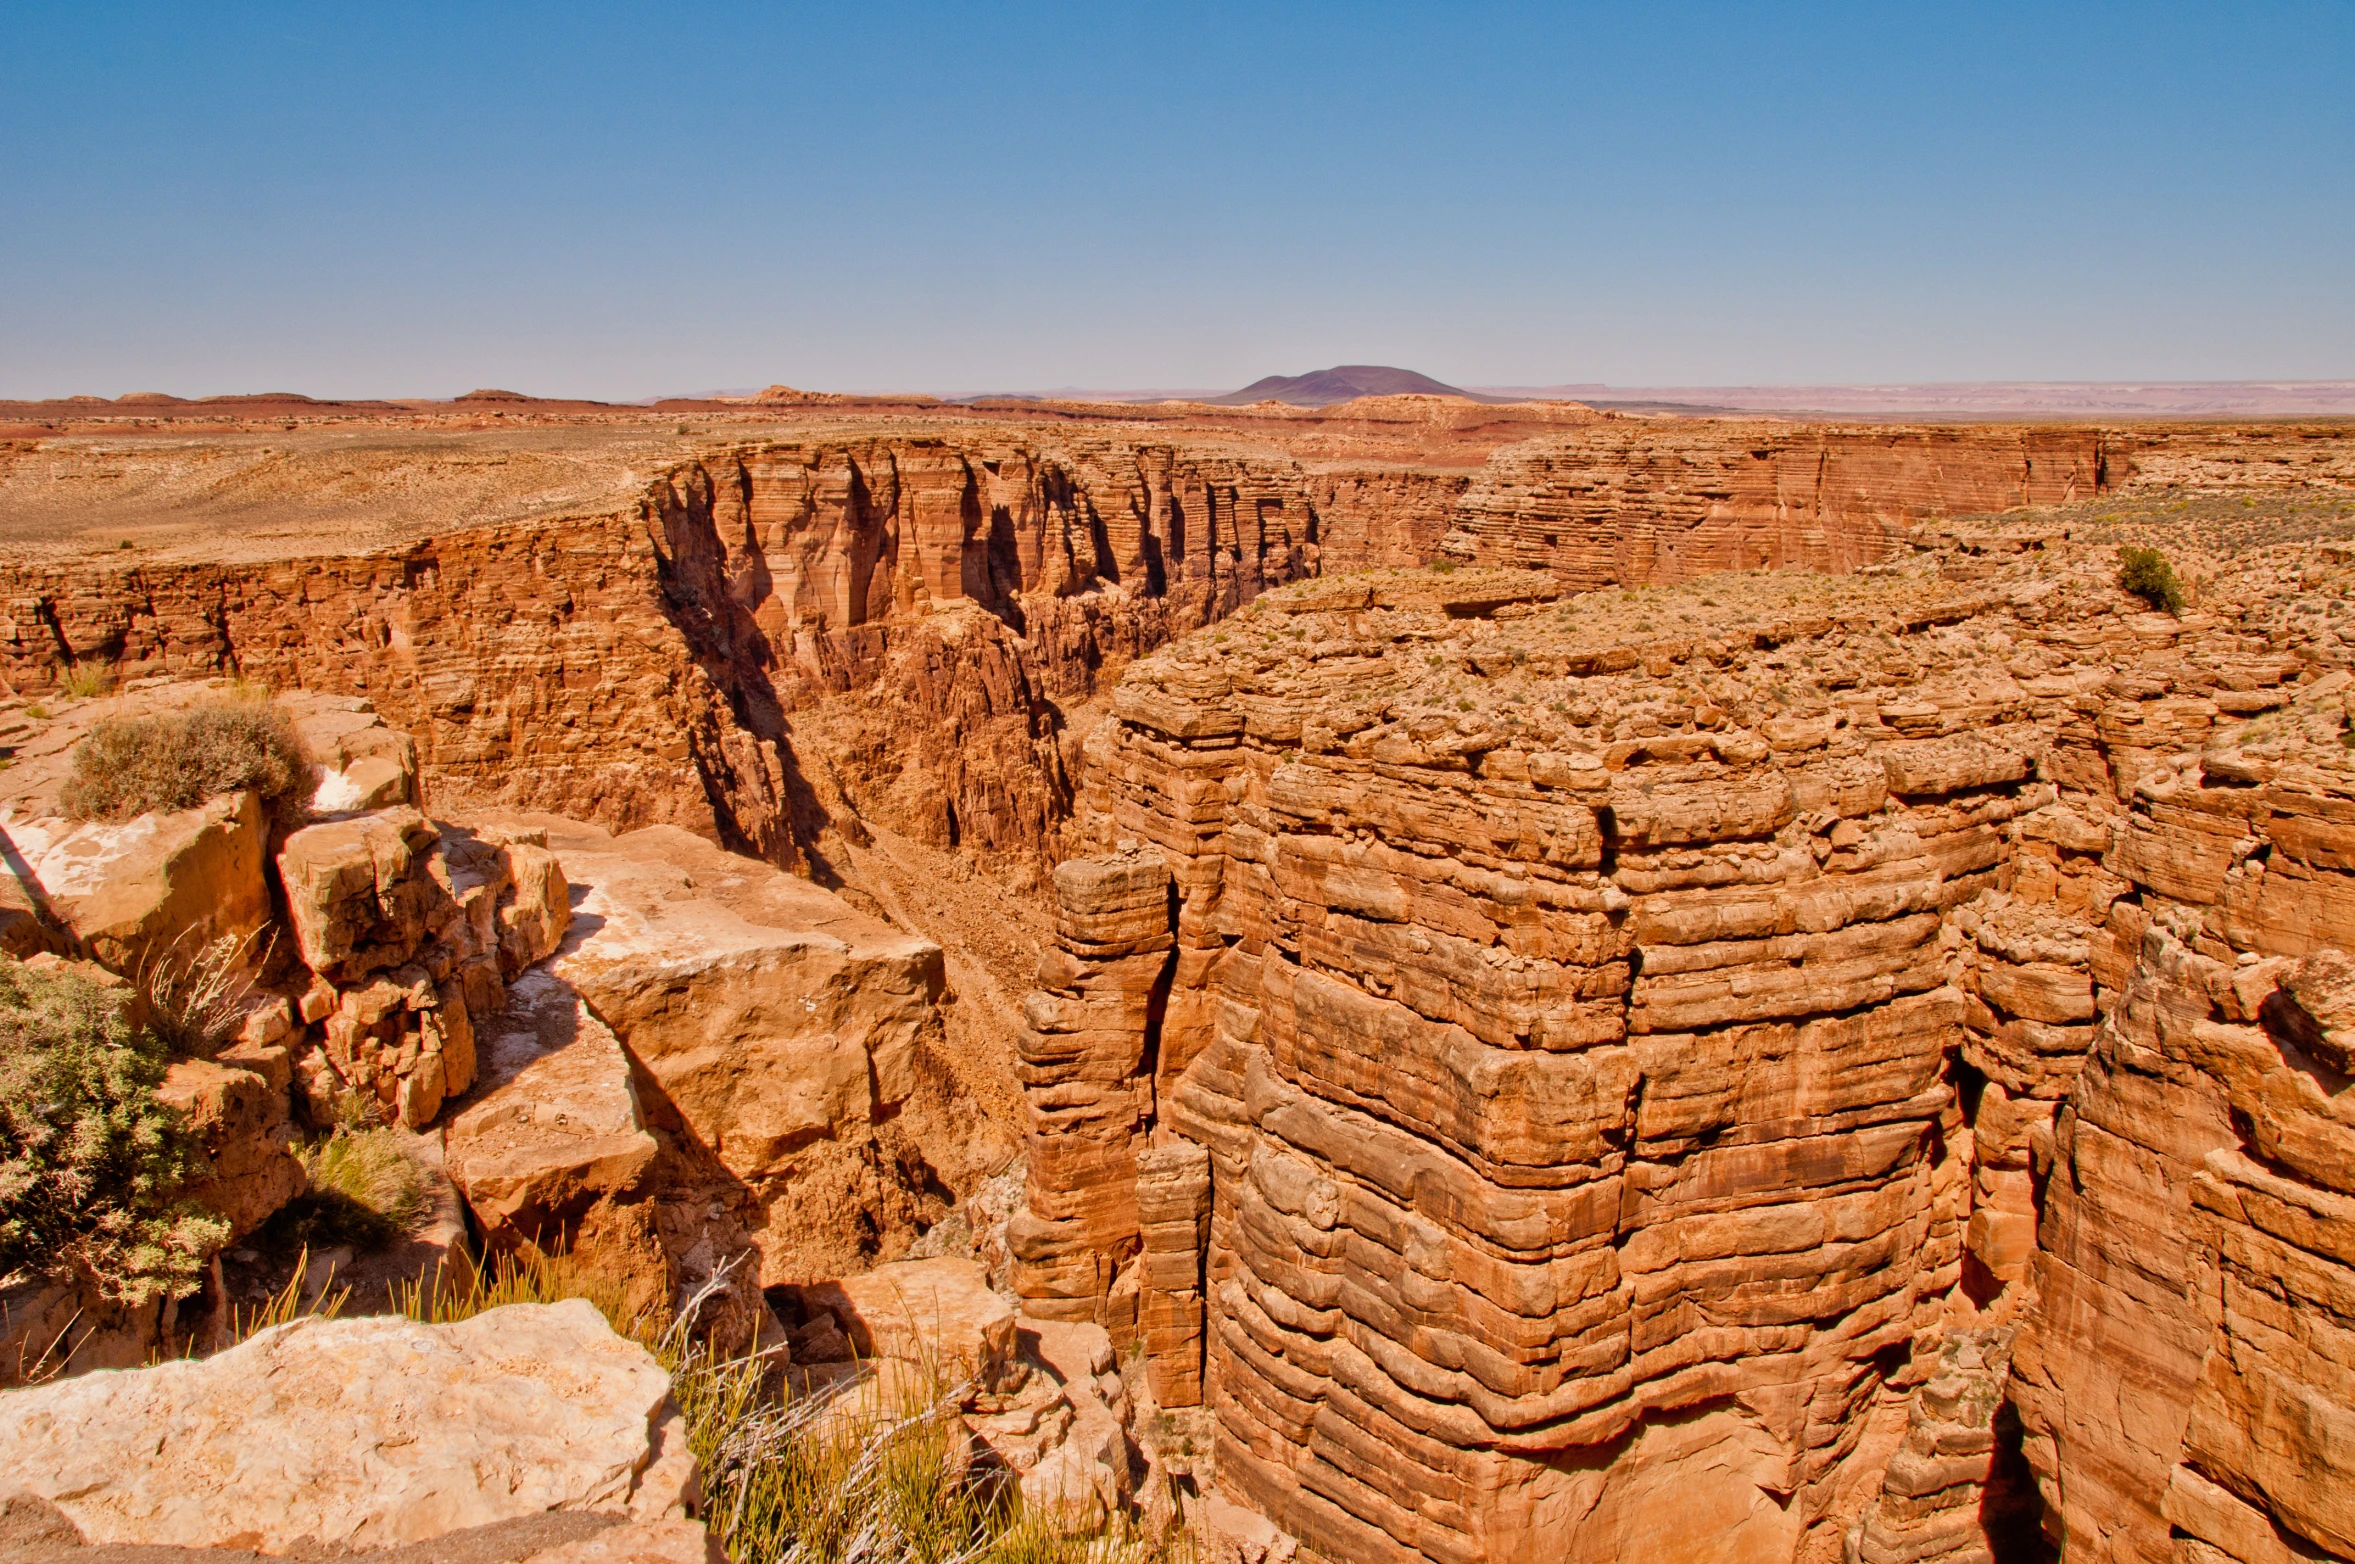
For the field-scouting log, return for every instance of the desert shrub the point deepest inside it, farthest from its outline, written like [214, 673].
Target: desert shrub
[127, 766]
[91, 1161]
[366, 1190]
[2148, 575]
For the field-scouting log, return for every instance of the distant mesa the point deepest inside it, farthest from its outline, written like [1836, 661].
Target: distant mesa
[493, 396]
[139, 399]
[782, 394]
[1343, 383]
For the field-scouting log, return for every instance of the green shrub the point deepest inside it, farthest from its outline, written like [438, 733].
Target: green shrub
[2147, 574]
[91, 1162]
[127, 766]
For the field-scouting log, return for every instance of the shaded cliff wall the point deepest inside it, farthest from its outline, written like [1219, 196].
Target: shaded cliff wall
[1626, 1059]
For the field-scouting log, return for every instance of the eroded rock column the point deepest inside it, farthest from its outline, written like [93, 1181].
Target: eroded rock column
[1086, 1068]
[1173, 1212]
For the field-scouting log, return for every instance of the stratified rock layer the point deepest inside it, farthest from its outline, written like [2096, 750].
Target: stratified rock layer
[1629, 1033]
[894, 625]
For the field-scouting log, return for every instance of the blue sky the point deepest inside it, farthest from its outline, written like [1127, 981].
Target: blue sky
[623, 200]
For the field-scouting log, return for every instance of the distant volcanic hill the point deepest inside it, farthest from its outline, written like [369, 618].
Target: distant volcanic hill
[1342, 383]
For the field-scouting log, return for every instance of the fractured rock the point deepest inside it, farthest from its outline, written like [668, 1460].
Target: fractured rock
[130, 892]
[410, 930]
[553, 1127]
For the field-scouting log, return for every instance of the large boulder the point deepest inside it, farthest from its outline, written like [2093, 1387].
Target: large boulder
[771, 1011]
[34, 1532]
[362, 763]
[130, 892]
[775, 1032]
[931, 1314]
[336, 1435]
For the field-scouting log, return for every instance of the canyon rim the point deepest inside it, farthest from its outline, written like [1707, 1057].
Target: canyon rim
[1408, 978]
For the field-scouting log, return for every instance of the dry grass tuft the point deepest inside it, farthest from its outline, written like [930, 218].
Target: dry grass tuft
[879, 1474]
[86, 681]
[196, 994]
[366, 1190]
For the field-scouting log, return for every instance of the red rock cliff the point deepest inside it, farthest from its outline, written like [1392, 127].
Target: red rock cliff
[1650, 1054]
[897, 629]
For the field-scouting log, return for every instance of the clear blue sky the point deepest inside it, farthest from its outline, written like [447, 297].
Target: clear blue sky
[615, 201]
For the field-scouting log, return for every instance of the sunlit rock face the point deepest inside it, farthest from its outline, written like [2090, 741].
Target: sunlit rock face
[1726, 1072]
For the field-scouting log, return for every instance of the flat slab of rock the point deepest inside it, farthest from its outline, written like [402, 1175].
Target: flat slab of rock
[33, 1532]
[552, 1126]
[130, 889]
[346, 1433]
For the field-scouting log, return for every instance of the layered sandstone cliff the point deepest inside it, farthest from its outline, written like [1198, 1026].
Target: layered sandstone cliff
[1752, 1070]
[783, 636]
[1631, 1034]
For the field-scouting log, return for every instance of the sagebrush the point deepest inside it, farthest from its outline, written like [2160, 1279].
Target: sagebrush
[91, 1160]
[127, 766]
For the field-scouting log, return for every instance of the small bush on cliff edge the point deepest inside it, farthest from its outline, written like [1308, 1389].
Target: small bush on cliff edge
[127, 766]
[91, 1162]
[2147, 574]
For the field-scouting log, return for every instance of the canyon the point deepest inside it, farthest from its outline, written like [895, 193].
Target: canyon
[1558, 985]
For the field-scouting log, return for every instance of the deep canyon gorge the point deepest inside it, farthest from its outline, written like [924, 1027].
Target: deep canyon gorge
[1558, 986]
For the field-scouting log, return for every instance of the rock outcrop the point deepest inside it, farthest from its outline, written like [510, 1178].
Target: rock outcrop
[411, 931]
[928, 1316]
[894, 625]
[724, 1071]
[355, 1434]
[1628, 1037]
[1576, 1077]
[2177, 1379]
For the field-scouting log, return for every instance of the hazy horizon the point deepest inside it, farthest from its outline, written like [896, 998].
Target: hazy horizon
[607, 202]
